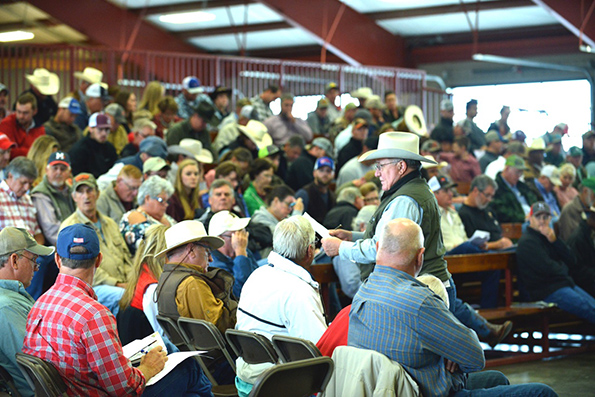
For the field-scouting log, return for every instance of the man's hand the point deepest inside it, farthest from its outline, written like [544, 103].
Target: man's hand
[342, 234]
[239, 242]
[331, 246]
[548, 232]
[450, 366]
[153, 362]
[299, 205]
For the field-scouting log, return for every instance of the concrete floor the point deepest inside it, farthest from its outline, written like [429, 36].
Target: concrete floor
[570, 376]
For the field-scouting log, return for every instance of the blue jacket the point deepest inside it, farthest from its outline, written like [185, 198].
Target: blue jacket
[240, 267]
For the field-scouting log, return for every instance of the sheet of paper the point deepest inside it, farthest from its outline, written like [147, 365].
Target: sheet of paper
[318, 228]
[132, 351]
[480, 237]
[173, 360]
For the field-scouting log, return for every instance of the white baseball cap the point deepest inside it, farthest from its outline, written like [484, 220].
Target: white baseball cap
[225, 221]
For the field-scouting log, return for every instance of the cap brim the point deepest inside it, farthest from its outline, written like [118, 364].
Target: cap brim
[211, 241]
[59, 162]
[393, 154]
[41, 250]
[197, 90]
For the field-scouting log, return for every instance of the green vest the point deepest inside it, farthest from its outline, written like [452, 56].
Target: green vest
[63, 204]
[419, 191]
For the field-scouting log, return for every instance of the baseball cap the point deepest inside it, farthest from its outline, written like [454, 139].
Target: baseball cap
[4, 88]
[515, 162]
[96, 91]
[350, 106]
[71, 104]
[493, 136]
[588, 134]
[589, 183]
[139, 124]
[117, 111]
[192, 85]
[324, 144]
[99, 120]
[575, 151]
[322, 104]
[324, 162]
[153, 146]
[431, 146]
[6, 143]
[225, 221]
[553, 173]
[446, 104]
[154, 164]
[268, 151]
[519, 135]
[537, 144]
[248, 112]
[331, 86]
[59, 158]
[84, 179]
[540, 207]
[78, 235]
[359, 123]
[440, 182]
[13, 239]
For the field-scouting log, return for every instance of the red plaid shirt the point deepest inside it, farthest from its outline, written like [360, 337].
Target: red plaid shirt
[78, 335]
[17, 212]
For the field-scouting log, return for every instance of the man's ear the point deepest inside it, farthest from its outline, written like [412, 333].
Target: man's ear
[419, 260]
[98, 260]
[58, 260]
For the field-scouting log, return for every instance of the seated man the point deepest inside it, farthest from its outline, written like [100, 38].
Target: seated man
[582, 243]
[433, 346]
[234, 256]
[20, 127]
[572, 212]
[18, 255]
[93, 153]
[318, 199]
[281, 298]
[544, 184]
[120, 195]
[463, 166]
[544, 263]
[111, 277]
[349, 202]
[62, 126]
[68, 328]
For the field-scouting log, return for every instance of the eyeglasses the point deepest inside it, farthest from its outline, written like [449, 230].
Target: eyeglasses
[132, 188]
[370, 199]
[206, 248]
[290, 205]
[33, 261]
[488, 196]
[160, 200]
[379, 167]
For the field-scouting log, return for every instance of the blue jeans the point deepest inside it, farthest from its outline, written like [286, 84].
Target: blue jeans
[494, 383]
[574, 300]
[465, 313]
[187, 379]
[109, 296]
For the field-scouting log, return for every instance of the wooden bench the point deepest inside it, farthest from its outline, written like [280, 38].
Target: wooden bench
[513, 231]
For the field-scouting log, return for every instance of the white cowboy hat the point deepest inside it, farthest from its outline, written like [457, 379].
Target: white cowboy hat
[257, 132]
[192, 148]
[439, 165]
[46, 82]
[90, 75]
[396, 145]
[225, 221]
[362, 92]
[187, 232]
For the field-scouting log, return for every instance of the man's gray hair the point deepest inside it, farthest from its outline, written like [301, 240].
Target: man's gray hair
[481, 182]
[217, 183]
[349, 194]
[21, 166]
[152, 187]
[363, 216]
[403, 245]
[292, 237]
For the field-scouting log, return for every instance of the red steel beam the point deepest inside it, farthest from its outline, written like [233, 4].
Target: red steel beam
[570, 13]
[104, 21]
[358, 39]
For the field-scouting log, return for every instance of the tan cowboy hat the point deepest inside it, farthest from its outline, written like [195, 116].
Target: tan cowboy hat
[537, 144]
[362, 92]
[257, 132]
[90, 75]
[434, 164]
[192, 148]
[187, 232]
[396, 145]
[46, 82]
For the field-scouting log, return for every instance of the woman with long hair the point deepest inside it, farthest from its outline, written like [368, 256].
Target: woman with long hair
[151, 96]
[127, 100]
[40, 151]
[184, 202]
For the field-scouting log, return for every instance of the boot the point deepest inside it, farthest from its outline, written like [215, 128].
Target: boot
[497, 333]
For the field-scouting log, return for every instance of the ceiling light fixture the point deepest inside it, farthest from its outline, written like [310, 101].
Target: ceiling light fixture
[187, 17]
[16, 35]
[585, 48]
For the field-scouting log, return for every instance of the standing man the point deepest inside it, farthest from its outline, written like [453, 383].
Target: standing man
[44, 84]
[20, 127]
[263, 101]
[18, 256]
[317, 198]
[407, 195]
[443, 356]
[331, 92]
[393, 111]
[283, 126]
[443, 133]
[318, 120]
[186, 100]
[62, 126]
[502, 125]
[52, 197]
[93, 153]
[477, 138]
[195, 127]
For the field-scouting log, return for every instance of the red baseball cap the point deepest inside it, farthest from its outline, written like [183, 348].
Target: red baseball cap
[6, 143]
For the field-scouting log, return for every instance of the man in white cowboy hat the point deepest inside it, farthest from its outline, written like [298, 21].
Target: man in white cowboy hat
[283, 126]
[253, 136]
[20, 127]
[87, 77]
[44, 84]
[361, 94]
[187, 287]
[234, 256]
[407, 195]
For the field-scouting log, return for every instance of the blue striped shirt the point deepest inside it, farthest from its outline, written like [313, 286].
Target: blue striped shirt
[396, 315]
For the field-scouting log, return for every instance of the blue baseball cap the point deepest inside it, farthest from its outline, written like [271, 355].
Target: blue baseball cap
[324, 162]
[71, 104]
[192, 85]
[78, 235]
[153, 146]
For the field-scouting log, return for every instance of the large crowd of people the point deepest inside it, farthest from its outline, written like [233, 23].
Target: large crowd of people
[183, 207]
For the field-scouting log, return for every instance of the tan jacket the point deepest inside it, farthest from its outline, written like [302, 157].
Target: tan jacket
[116, 265]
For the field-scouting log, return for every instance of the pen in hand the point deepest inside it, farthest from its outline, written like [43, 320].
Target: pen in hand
[145, 349]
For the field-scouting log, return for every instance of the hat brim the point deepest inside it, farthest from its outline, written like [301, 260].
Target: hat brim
[196, 90]
[211, 241]
[51, 88]
[9, 146]
[377, 154]
[41, 250]
[59, 162]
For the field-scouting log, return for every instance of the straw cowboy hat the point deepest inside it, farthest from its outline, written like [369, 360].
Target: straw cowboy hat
[257, 132]
[187, 232]
[90, 75]
[192, 148]
[396, 145]
[46, 82]
[362, 92]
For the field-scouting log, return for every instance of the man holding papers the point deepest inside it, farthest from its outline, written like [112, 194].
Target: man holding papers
[70, 329]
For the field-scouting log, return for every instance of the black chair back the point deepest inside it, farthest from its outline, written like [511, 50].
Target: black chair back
[132, 324]
[296, 379]
[252, 347]
[6, 379]
[42, 376]
[293, 349]
[170, 327]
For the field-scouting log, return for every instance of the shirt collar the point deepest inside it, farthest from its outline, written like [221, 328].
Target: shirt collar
[76, 282]
[4, 186]
[290, 267]
[16, 286]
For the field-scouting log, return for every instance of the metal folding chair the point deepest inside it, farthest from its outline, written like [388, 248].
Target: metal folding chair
[42, 376]
[252, 347]
[293, 349]
[7, 380]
